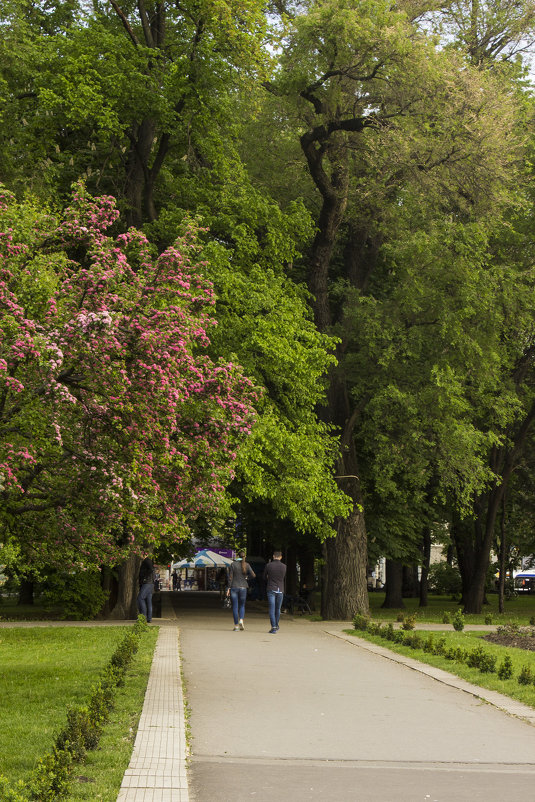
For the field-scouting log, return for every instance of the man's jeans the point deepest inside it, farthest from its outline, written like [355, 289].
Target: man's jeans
[274, 606]
[144, 600]
[238, 597]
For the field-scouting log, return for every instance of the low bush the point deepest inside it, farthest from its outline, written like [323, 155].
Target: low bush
[360, 622]
[458, 621]
[526, 676]
[505, 671]
[408, 622]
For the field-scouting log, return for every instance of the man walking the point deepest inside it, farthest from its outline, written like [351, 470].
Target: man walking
[275, 574]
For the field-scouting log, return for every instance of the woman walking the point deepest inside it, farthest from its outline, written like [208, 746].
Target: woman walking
[238, 573]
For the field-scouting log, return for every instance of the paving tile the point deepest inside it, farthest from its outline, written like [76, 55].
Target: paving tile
[157, 770]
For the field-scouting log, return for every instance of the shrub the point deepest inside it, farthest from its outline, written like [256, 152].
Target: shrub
[446, 618]
[413, 640]
[389, 632]
[444, 579]
[400, 617]
[487, 664]
[440, 646]
[78, 594]
[458, 621]
[361, 622]
[50, 779]
[399, 636]
[505, 671]
[488, 619]
[526, 676]
[408, 622]
[450, 653]
[429, 645]
[9, 793]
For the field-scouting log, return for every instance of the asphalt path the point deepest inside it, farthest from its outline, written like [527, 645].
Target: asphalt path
[303, 715]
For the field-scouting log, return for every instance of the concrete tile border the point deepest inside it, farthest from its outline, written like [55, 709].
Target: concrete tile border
[158, 771]
[499, 700]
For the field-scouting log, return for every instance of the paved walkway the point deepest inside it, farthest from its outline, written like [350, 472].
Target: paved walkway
[313, 714]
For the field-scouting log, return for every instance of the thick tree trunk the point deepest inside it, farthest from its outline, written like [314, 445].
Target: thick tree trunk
[394, 586]
[345, 592]
[127, 590]
[426, 560]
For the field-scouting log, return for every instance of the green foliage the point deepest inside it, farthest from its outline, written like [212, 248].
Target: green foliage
[505, 669]
[525, 676]
[77, 593]
[446, 618]
[408, 621]
[361, 622]
[444, 579]
[53, 773]
[479, 658]
[458, 621]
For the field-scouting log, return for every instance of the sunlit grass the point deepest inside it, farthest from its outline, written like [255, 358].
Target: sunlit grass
[43, 671]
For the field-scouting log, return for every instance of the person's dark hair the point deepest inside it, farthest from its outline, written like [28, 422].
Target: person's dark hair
[277, 554]
[243, 563]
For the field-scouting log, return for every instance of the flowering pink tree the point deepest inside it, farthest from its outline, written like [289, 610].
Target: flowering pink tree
[116, 428]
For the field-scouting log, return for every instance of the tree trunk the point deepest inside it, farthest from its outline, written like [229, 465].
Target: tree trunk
[345, 592]
[426, 560]
[410, 582]
[394, 586]
[127, 590]
[501, 581]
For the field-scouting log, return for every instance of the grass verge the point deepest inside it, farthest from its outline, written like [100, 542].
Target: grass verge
[44, 671]
[100, 777]
[469, 641]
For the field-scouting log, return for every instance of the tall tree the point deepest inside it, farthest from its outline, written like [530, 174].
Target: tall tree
[383, 113]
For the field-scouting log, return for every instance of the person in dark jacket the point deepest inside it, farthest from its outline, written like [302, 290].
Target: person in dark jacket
[275, 576]
[146, 588]
[238, 573]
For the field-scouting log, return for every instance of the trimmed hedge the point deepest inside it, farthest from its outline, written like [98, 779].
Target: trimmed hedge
[52, 776]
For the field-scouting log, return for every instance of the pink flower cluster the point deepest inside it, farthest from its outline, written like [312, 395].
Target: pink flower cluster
[114, 414]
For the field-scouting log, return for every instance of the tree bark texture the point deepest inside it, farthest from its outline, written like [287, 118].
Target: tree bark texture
[127, 590]
[346, 590]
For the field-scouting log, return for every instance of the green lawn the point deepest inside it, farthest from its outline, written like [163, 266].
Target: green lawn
[519, 609]
[469, 641]
[45, 670]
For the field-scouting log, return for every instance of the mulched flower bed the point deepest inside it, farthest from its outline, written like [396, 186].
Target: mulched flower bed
[519, 637]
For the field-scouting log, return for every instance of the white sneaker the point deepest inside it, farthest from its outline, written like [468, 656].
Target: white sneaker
[236, 629]
[241, 624]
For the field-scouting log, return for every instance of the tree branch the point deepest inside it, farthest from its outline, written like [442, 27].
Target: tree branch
[126, 24]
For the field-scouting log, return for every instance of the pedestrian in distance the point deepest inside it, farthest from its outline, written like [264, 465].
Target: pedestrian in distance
[238, 573]
[146, 588]
[275, 576]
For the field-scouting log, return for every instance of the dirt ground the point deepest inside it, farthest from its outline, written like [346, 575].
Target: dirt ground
[519, 637]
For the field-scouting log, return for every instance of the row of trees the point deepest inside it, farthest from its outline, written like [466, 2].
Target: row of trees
[359, 173]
